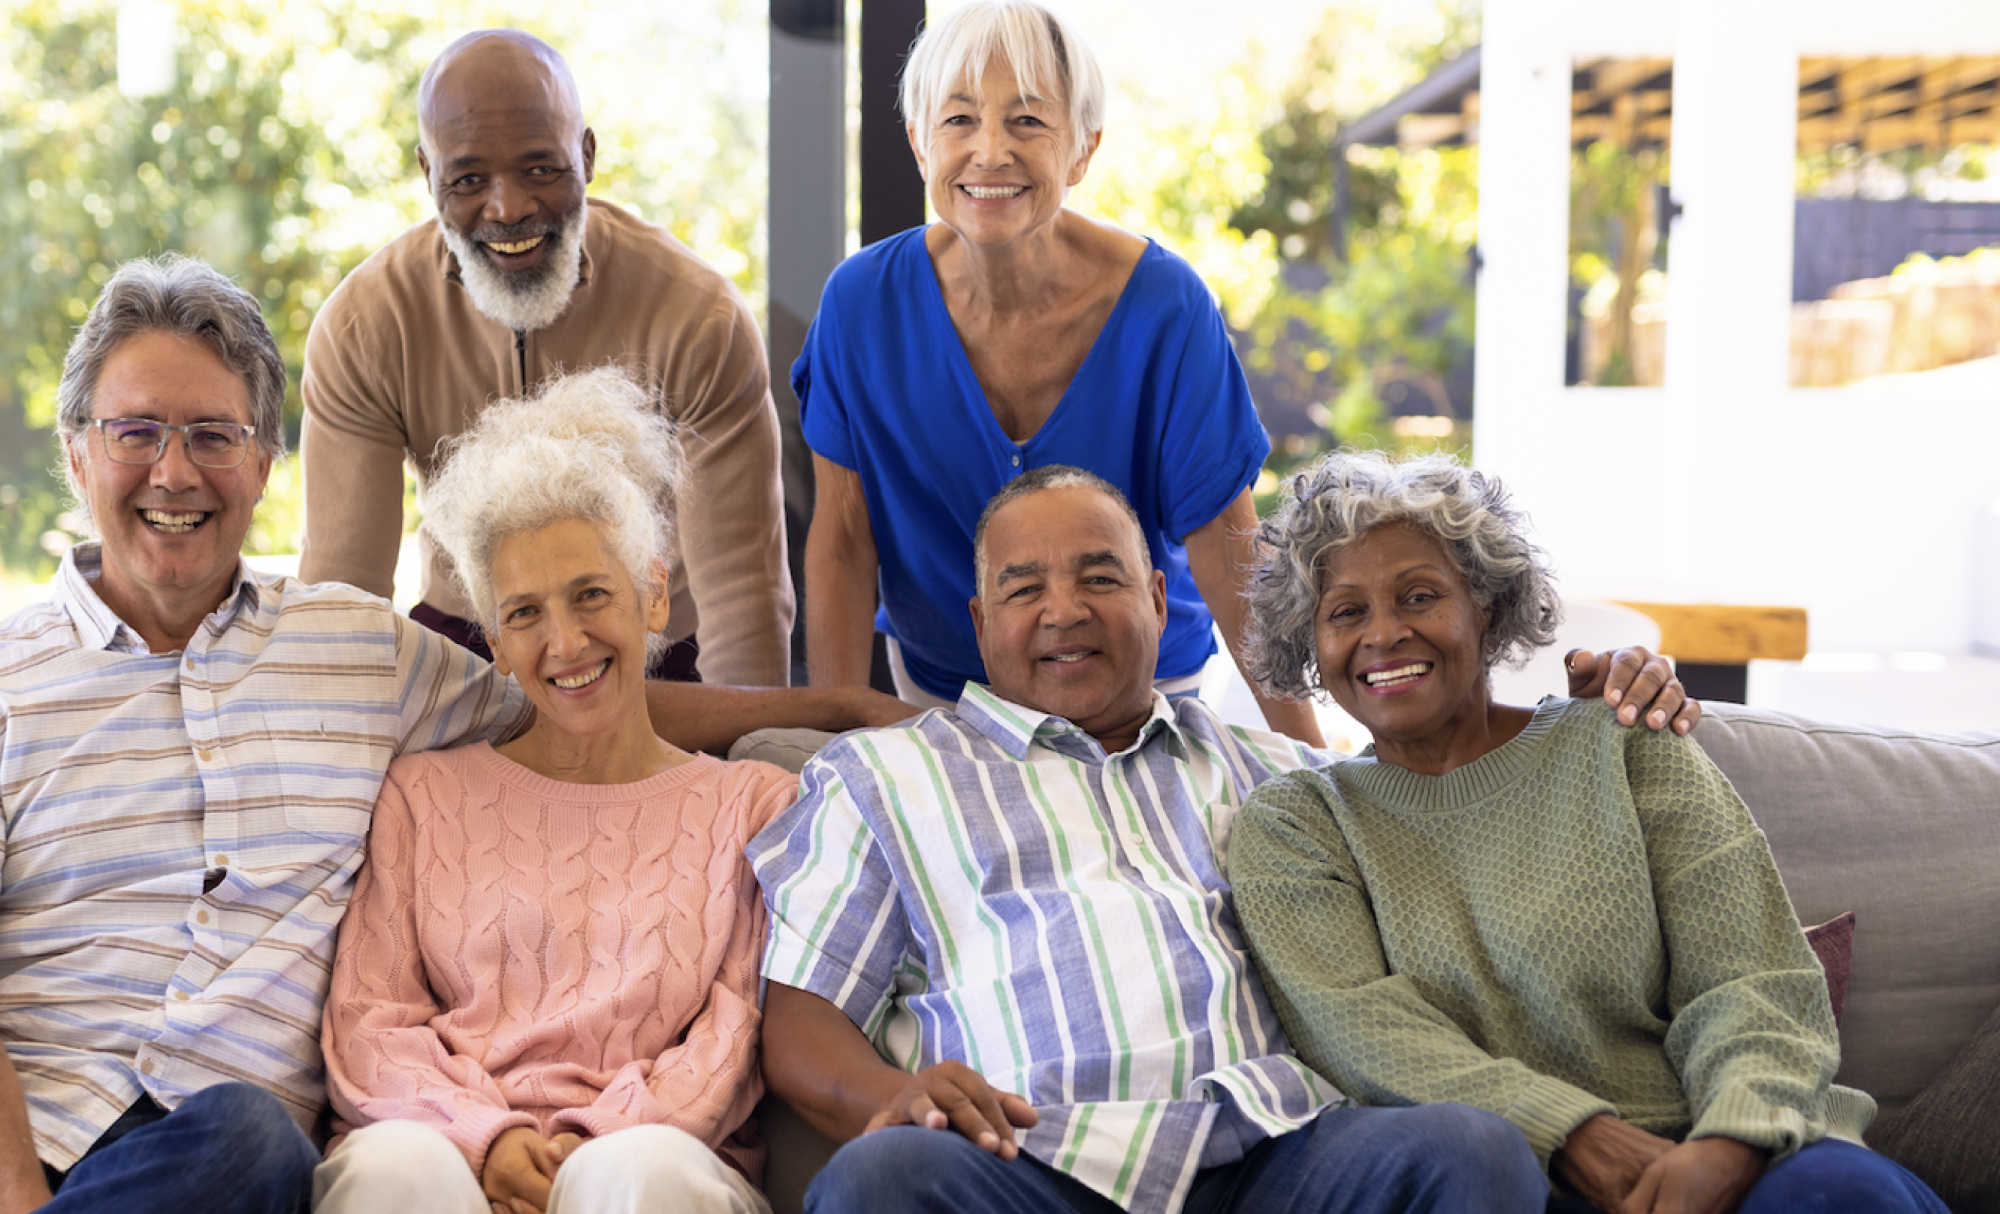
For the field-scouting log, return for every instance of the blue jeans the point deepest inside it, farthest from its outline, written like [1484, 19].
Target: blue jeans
[229, 1149]
[1828, 1177]
[1440, 1157]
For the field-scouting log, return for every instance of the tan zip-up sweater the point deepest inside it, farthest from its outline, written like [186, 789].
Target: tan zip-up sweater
[399, 360]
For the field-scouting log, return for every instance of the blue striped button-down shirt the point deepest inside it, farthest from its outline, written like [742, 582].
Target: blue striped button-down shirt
[182, 831]
[989, 886]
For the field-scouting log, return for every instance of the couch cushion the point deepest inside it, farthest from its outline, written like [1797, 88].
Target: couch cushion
[1948, 1135]
[797, 1154]
[1833, 943]
[1902, 828]
[787, 748]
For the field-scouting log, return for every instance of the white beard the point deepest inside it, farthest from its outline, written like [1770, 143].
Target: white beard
[523, 300]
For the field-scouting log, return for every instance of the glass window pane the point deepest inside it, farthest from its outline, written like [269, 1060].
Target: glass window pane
[1896, 238]
[1621, 120]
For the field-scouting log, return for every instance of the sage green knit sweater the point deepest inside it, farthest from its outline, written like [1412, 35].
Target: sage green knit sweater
[1585, 920]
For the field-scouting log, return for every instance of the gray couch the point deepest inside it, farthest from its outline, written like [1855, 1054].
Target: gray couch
[1901, 828]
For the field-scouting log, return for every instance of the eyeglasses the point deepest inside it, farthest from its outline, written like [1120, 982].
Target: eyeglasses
[138, 440]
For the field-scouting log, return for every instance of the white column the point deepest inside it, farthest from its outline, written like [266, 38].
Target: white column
[1735, 143]
[1524, 90]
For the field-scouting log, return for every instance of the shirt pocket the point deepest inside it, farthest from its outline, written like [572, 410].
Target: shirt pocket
[311, 772]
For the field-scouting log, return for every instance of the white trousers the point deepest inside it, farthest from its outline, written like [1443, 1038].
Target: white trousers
[409, 1168]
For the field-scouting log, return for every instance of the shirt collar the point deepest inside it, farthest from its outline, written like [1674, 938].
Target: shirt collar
[98, 627]
[1015, 728]
[447, 261]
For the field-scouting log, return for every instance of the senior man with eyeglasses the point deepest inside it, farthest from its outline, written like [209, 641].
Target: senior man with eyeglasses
[189, 754]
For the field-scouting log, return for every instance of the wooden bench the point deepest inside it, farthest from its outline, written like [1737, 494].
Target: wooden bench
[1712, 643]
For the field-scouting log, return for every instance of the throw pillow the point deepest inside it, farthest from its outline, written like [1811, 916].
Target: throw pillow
[1947, 1134]
[1833, 942]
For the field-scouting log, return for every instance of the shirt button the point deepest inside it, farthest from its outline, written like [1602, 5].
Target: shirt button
[221, 861]
[205, 755]
[201, 916]
[147, 1066]
[1017, 459]
[181, 995]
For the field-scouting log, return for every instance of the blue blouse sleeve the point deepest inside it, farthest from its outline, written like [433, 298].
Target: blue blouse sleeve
[816, 381]
[1213, 444]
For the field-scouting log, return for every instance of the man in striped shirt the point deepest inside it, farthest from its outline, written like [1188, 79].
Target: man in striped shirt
[189, 756]
[189, 759]
[1010, 921]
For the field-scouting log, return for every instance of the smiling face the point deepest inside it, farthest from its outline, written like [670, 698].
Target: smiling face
[571, 627]
[998, 166]
[1398, 639]
[171, 529]
[1070, 615]
[507, 157]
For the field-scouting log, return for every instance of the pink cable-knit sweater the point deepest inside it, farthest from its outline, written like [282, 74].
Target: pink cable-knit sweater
[573, 957]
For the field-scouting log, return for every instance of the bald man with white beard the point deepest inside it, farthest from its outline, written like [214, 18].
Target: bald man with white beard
[521, 276]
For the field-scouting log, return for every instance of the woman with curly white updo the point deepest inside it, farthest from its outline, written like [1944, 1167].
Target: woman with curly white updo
[545, 995]
[1531, 911]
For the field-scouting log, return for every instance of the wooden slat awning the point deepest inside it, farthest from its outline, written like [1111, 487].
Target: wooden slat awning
[1893, 102]
[1627, 101]
[1881, 103]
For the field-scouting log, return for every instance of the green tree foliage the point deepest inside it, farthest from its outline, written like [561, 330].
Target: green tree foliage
[1175, 167]
[1400, 306]
[1847, 171]
[283, 155]
[1613, 238]
[233, 165]
[1351, 64]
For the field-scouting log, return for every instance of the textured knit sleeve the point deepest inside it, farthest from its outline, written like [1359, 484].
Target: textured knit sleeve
[1752, 1033]
[383, 1059]
[351, 446]
[732, 517]
[1306, 914]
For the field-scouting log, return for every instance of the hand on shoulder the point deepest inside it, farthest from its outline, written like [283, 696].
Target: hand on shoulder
[1633, 681]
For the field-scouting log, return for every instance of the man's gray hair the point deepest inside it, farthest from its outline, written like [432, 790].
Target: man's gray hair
[1340, 499]
[188, 298]
[1040, 480]
[1048, 56]
[590, 446]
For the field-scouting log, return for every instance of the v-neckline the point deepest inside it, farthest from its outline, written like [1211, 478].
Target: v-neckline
[962, 361]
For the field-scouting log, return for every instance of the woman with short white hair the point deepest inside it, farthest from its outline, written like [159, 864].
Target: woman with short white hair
[545, 994]
[1012, 334]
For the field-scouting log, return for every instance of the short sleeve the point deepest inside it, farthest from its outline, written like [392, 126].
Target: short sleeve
[449, 695]
[1214, 443]
[816, 382]
[837, 924]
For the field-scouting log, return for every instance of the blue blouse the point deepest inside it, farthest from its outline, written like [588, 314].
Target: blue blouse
[1159, 408]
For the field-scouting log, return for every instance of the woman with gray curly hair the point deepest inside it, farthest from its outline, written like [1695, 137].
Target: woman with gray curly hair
[545, 994]
[1531, 911]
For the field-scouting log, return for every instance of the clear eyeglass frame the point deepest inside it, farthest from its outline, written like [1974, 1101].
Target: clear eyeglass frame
[141, 440]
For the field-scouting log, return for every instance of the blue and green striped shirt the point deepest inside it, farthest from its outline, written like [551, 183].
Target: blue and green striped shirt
[989, 886]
